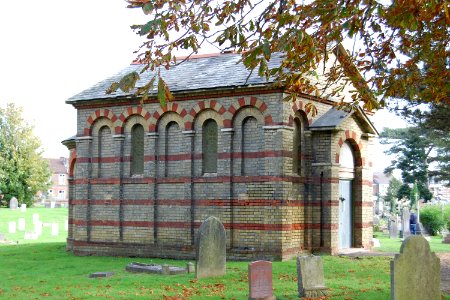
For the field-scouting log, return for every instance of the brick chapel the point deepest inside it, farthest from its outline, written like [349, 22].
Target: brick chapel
[143, 178]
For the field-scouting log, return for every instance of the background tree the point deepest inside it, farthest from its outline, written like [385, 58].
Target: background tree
[23, 171]
[401, 47]
[412, 149]
[392, 194]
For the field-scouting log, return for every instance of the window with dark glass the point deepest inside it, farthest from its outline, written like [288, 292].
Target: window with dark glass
[137, 150]
[209, 144]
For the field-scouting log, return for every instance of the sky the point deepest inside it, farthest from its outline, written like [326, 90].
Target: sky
[51, 50]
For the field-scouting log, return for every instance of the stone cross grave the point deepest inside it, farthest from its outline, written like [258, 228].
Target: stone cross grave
[416, 271]
[311, 282]
[393, 228]
[405, 222]
[13, 203]
[210, 248]
[260, 280]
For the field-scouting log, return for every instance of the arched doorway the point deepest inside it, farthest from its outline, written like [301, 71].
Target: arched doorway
[346, 177]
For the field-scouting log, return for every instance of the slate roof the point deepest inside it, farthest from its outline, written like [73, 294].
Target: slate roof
[334, 117]
[213, 72]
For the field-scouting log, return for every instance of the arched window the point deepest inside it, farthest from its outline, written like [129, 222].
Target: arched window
[137, 150]
[173, 147]
[297, 148]
[209, 145]
[104, 136]
[250, 144]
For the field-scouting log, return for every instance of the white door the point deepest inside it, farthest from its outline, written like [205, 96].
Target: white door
[345, 214]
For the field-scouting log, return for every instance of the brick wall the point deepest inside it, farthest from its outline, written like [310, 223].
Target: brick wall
[275, 198]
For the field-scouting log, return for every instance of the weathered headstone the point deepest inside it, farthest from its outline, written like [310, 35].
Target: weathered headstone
[52, 204]
[376, 243]
[23, 207]
[311, 282]
[21, 224]
[260, 280]
[210, 249]
[66, 225]
[393, 229]
[405, 223]
[190, 267]
[55, 229]
[136, 267]
[416, 271]
[2, 237]
[13, 203]
[12, 227]
[447, 239]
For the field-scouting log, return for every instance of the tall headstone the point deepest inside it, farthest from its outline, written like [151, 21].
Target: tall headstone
[210, 249]
[405, 223]
[13, 203]
[38, 228]
[393, 228]
[416, 271]
[260, 280]
[311, 283]
[21, 224]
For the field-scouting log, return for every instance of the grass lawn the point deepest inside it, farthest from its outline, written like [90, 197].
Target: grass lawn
[42, 269]
[393, 245]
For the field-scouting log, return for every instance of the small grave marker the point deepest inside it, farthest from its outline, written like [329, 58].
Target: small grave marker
[101, 274]
[136, 267]
[12, 227]
[52, 204]
[21, 224]
[30, 236]
[55, 229]
[311, 282]
[38, 228]
[260, 280]
[210, 249]
[416, 271]
[13, 203]
[2, 237]
[35, 218]
[66, 225]
[23, 207]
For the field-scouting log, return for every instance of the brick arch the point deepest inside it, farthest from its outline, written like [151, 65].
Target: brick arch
[72, 162]
[298, 105]
[357, 146]
[169, 107]
[245, 102]
[131, 111]
[202, 106]
[99, 113]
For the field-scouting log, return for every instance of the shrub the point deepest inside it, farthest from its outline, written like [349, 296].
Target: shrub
[435, 218]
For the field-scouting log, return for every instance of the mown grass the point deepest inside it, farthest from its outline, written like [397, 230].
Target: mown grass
[46, 215]
[393, 245]
[47, 271]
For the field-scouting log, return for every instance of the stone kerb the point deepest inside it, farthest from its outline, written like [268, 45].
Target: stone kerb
[260, 280]
[415, 272]
[311, 283]
[210, 249]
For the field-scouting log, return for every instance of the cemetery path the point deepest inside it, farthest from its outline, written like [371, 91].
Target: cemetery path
[445, 271]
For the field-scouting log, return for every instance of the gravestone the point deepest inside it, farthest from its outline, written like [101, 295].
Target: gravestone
[35, 218]
[13, 203]
[21, 224]
[190, 267]
[447, 239]
[2, 237]
[260, 280]
[101, 274]
[393, 229]
[210, 249]
[30, 236]
[405, 223]
[416, 271]
[52, 204]
[55, 229]
[38, 228]
[311, 282]
[23, 207]
[12, 227]
[136, 267]
[66, 225]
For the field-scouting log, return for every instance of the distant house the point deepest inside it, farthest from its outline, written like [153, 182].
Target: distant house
[380, 186]
[59, 189]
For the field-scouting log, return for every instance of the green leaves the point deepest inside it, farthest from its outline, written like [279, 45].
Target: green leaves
[127, 83]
